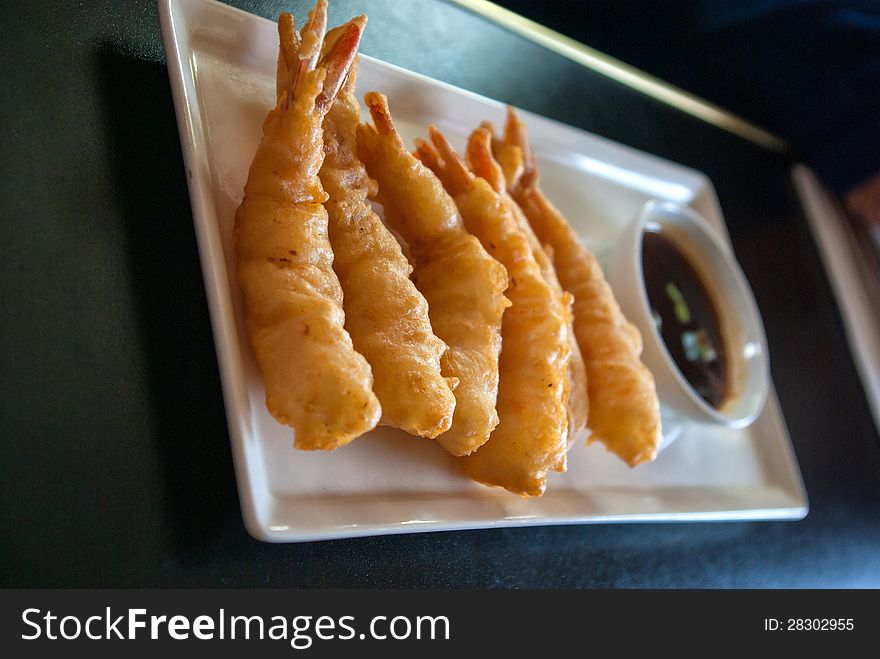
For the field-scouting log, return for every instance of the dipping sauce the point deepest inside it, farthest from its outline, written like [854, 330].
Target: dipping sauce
[686, 317]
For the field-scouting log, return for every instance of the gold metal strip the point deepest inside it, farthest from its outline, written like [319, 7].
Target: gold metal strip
[624, 74]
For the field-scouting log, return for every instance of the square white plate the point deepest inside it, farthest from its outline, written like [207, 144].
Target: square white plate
[221, 63]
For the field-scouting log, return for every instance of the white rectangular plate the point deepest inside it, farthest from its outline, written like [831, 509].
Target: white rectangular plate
[221, 63]
[853, 281]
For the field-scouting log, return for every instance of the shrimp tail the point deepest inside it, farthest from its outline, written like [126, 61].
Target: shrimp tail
[288, 49]
[458, 178]
[339, 59]
[451, 171]
[479, 156]
[308, 52]
[428, 156]
[515, 135]
[381, 114]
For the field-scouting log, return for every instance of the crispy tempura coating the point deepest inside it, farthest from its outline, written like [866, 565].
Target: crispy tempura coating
[624, 409]
[463, 285]
[314, 379]
[531, 436]
[484, 164]
[385, 314]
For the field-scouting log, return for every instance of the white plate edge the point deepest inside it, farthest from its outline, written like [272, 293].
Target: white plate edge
[216, 285]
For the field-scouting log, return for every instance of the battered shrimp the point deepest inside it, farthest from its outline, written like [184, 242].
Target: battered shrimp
[484, 165]
[531, 436]
[384, 312]
[314, 379]
[624, 409]
[463, 285]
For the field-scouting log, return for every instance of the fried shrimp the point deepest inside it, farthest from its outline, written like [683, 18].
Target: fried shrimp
[463, 285]
[531, 436]
[624, 409]
[315, 381]
[482, 162]
[385, 314]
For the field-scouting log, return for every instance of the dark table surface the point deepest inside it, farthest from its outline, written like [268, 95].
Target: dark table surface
[116, 468]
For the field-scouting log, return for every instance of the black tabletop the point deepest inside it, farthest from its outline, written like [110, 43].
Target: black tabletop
[116, 468]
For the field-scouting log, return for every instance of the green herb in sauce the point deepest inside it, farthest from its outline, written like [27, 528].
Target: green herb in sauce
[685, 316]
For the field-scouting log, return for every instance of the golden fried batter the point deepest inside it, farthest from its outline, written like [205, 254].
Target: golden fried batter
[483, 164]
[624, 409]
[463, 285]
[314, 379]
[531, 436]
[384, 312]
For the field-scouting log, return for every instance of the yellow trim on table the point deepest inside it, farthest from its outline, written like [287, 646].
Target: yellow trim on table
[624, 74]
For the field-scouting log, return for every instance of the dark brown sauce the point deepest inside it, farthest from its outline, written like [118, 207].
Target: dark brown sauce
[686, 317]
